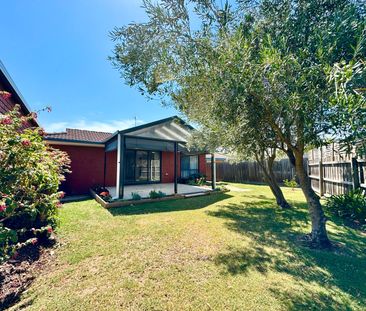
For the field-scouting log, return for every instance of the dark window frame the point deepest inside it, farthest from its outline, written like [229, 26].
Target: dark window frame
[148, 181]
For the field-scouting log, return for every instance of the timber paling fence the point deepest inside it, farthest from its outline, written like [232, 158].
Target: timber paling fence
[331, 171]
[250, 171]
[335, 172]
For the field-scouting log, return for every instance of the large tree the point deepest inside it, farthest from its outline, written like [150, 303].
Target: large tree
[247, 65]
[257, 144]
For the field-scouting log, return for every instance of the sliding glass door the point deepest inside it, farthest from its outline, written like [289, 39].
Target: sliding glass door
[142, 166]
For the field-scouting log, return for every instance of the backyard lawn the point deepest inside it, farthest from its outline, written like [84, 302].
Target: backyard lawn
[233, 251]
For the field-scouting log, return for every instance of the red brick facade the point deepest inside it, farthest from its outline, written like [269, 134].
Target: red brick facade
[167, 167]
[87, 165]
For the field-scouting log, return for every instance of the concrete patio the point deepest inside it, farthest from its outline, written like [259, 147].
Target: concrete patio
[167, 188]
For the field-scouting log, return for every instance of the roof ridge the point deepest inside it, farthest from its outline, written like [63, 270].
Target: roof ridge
[87, 130]
[55, 133]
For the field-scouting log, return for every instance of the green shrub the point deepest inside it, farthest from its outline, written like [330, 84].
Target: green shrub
[135, 196]
[30, 174]
[156, 194]
[290, 183]
[350, 205]
[194, 180]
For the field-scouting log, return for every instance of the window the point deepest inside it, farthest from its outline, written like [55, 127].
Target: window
[189, 166]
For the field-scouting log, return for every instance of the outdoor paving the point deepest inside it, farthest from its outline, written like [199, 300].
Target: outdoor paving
[168, 189]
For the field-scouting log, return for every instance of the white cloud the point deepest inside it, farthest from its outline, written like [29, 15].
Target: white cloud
[101, 126]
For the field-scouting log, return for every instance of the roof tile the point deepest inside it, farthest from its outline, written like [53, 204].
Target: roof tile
[80, 135]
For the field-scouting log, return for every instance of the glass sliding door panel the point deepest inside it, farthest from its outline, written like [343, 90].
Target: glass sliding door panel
[193, 163]
[141, 166]
[184, 167]
[154, 166]
[130, 166]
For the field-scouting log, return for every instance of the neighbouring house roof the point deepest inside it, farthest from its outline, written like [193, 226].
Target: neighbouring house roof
[10, 87]
[218, 157]
[76, 135]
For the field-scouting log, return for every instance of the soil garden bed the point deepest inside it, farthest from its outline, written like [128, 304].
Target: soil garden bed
[18, 273]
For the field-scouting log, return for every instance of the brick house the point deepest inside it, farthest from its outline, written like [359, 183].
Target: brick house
[153, 153]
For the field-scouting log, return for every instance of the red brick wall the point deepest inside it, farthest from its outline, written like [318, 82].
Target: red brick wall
[167, 166]
[202, 164]
[87, 166]
[111, 169]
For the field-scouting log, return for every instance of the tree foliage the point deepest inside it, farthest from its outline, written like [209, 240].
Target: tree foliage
[252, 72]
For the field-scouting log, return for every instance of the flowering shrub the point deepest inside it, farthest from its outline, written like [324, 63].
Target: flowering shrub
[106, 196]
[30, 174]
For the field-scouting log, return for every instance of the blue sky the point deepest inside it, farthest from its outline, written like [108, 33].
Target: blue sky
[56, 52]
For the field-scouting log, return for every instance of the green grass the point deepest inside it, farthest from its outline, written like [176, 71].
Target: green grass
[233, 251]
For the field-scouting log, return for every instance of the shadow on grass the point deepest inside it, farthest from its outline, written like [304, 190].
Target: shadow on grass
[276, 246]
[170, 206]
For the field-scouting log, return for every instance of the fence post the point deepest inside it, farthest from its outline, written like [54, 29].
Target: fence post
[321, 175]
[321, 178]
[355, 176]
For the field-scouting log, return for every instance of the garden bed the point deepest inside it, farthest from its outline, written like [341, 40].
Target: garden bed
[119, 203]
[17, 274]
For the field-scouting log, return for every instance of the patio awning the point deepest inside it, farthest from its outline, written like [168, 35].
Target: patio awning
[171, 134]
[159, 136]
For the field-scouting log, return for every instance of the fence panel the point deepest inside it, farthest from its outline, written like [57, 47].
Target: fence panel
[332, 171]
[250, 171]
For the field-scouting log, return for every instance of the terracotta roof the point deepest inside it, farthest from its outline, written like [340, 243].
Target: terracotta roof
[79, 136]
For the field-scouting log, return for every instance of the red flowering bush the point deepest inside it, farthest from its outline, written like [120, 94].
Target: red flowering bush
[30, 174]
[5, 94]
[105, 195]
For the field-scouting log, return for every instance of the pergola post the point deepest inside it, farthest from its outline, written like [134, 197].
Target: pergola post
[175, 168]
[120, 166]
[213, 171]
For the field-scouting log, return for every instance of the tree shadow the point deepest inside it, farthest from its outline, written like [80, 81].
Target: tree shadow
[170, 206]
[275, 244]
[306, 300]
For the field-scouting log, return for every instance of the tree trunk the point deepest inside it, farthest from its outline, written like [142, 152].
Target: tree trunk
[270, 179]
[319, 237]
[277, 192]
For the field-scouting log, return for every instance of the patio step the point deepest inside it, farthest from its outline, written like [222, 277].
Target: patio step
[196, 194]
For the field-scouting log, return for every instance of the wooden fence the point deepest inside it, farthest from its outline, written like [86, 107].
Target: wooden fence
[335, 172]
[331, 171]
[250, 171]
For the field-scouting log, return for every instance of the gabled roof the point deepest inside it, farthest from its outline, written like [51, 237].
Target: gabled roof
[170, 129]
[75, 135]
[12, 88]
